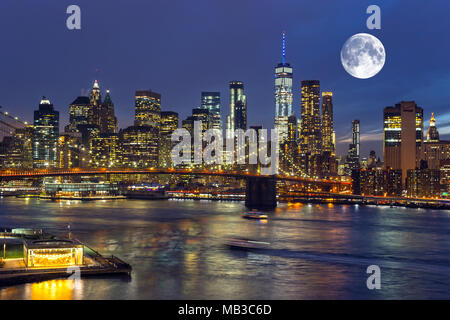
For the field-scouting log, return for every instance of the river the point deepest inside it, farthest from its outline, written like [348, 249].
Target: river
[176, 250]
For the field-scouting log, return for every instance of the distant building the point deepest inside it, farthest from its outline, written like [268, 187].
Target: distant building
[381, 182]
[433, 150]
[310, 136]
[402, 136]
[79, 114]
[432, 133]
[211, 102]
[45, 135]
[108, 120]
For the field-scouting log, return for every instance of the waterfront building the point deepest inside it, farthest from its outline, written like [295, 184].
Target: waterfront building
[139, 146]
[328, 144]
[310, 136]
[352, 162]
[381, 182]
[211, 102]
[402, 136]
[434, 150]
[283, 94]
[45, 135]
[147, 108]
[169, 123]
[237, 119]
[288, 153]
[424, 183]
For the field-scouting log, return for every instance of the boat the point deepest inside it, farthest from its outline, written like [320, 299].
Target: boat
[255, 215]
[246, 244]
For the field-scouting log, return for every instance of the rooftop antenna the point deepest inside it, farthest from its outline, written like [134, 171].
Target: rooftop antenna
[284, 47]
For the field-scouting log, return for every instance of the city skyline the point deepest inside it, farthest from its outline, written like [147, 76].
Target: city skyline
[166, 71]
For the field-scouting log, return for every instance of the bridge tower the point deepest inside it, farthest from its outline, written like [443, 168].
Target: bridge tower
[261, 193]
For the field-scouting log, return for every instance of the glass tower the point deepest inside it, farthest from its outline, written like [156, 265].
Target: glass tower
[211, 102]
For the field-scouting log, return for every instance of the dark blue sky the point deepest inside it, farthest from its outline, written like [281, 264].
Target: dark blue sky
[180, 48]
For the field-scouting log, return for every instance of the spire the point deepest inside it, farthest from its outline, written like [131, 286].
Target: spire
[284, 47]
[96, 86]
[432, 121]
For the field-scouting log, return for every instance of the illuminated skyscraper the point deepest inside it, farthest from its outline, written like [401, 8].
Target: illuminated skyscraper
[45, 135]
[283, 94]
[310, 134]
[79, 114]
[402, 136]
[211, 102]
[169, 123]
[95, 105]
[238, 107]
[147, 108]
[356, 137]
[327, 123]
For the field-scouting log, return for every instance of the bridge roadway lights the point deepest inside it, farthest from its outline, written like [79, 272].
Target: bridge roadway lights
[261, 193]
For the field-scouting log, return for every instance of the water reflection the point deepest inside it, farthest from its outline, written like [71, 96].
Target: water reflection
[177, 252]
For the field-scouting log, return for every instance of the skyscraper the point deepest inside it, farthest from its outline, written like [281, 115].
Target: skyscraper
[45, 135]
[79, 114]
[211, 102]
[432, 133]
[238, 107]
[327, 123]
[95, 105]
[108, 120]
[356, 137]
[403, 136]
[310, 134]
[283, 93]
[147, 108]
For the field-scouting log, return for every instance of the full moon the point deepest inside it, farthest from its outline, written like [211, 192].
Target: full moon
[363, 55]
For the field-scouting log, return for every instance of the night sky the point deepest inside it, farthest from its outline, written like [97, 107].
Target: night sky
[180, 48]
